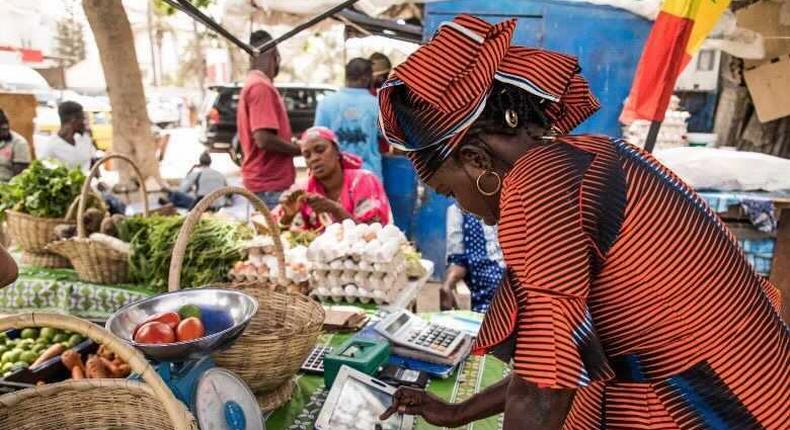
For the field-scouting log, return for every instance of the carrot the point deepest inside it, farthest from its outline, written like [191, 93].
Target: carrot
[71, 359]
[94, 368]
[106, 353]
[77, 373]
[51, 352]
[116, 370]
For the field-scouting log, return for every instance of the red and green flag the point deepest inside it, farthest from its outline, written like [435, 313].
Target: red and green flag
[678, 33]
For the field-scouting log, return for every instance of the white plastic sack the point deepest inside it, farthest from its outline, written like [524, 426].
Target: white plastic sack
[727, 170]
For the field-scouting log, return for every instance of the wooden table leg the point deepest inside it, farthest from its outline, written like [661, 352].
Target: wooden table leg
[780, 267]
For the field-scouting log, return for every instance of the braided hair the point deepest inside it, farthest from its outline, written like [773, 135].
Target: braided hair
[506, 97]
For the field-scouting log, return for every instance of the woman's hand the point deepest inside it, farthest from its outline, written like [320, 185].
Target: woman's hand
[434, 410]
[454, 274]
[323, 204]
[290, 201]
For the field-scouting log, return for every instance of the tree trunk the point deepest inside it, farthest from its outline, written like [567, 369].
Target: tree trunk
[239, 62]
[131, 127]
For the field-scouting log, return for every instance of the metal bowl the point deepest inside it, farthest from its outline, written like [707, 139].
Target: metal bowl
[225, 315]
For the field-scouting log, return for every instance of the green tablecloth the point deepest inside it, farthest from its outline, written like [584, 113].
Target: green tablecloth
[60, 291]
[475, 374]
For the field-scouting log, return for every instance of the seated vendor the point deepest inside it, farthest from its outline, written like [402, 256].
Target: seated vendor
[8, 268]
[337, 188]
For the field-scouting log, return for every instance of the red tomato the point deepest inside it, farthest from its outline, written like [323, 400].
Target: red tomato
[154, 332]
[170, 318]
[190, 329]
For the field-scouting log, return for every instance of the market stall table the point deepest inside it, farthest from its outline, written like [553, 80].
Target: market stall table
[472, 376]
[61, 291]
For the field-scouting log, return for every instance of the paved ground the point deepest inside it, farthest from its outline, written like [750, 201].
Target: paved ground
[183, 152]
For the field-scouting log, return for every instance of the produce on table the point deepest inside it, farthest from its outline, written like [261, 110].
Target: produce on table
[190, 329]
[95, 368]
[169, 327]
[41, 191]
[214, 245]
[112, 243]
[172, 319]
[187, 311]
[103, 364]
[34, 347]
[414, 267]
[154, 332]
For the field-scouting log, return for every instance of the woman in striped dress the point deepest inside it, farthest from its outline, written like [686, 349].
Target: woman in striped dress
[627, 303]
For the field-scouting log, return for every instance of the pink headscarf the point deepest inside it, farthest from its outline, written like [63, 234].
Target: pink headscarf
[347, 161]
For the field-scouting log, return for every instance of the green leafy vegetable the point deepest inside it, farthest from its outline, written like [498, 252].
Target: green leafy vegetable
[214, 246]
[42, 191]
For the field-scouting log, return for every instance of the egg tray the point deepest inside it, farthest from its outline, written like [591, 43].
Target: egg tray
[351, 263]
[351, 292]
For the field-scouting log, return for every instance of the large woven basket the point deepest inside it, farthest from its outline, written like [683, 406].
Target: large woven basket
[33, 234]
[93, 404]
[286, 327]
[92, 260]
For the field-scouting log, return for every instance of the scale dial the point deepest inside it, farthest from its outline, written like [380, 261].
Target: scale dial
[224, 402]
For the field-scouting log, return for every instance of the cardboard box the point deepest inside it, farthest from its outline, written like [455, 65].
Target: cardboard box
[763, 17]
[769, 86]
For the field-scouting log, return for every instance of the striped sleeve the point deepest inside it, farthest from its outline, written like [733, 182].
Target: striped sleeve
[549, 254]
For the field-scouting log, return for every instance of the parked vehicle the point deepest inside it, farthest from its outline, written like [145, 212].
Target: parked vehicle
[219, 113]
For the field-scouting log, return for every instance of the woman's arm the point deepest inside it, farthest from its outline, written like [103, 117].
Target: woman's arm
[454, 274]
[531, 407]
[8, 268]
[436, 411]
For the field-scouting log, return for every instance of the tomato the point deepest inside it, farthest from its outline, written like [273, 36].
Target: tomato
[154, 332]
[170, 318]
[190, 329]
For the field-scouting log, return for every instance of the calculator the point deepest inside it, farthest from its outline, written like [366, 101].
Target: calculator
[406, 329]
[314, 363]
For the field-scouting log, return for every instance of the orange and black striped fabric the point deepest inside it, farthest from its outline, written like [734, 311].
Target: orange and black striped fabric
[624, 285]
[433, 97]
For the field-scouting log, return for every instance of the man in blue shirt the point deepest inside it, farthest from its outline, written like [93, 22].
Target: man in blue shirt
[352, 113]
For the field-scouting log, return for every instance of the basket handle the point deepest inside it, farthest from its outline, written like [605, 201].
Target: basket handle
[178, 414]
[87, 185]
[70, 214]
[179, 249]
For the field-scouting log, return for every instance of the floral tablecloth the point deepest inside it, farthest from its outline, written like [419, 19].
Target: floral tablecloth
[60, 291]
[472, 376]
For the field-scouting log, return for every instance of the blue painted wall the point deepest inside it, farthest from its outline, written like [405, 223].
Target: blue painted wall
[607, 42]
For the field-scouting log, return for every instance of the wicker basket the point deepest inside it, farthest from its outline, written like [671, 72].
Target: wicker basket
[93, 404]
[286, 327]
[95, 261]
[32, 234]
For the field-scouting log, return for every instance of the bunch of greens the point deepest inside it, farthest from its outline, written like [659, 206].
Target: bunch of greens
[297, 238]
[42, 191]
[214, 246]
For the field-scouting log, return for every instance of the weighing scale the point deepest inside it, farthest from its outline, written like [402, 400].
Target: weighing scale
[218, 398]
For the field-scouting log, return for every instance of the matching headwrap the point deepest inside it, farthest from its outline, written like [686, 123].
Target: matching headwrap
[432, 99]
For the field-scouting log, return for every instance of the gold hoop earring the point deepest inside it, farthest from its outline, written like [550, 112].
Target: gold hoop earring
[498, 185]
[511, 118]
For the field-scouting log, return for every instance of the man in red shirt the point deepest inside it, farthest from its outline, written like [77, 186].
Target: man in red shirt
[264, 130]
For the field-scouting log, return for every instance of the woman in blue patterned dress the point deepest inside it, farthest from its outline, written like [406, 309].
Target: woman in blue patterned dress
[474, 256]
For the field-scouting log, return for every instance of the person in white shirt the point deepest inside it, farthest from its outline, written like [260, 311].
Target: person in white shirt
[72, 146]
